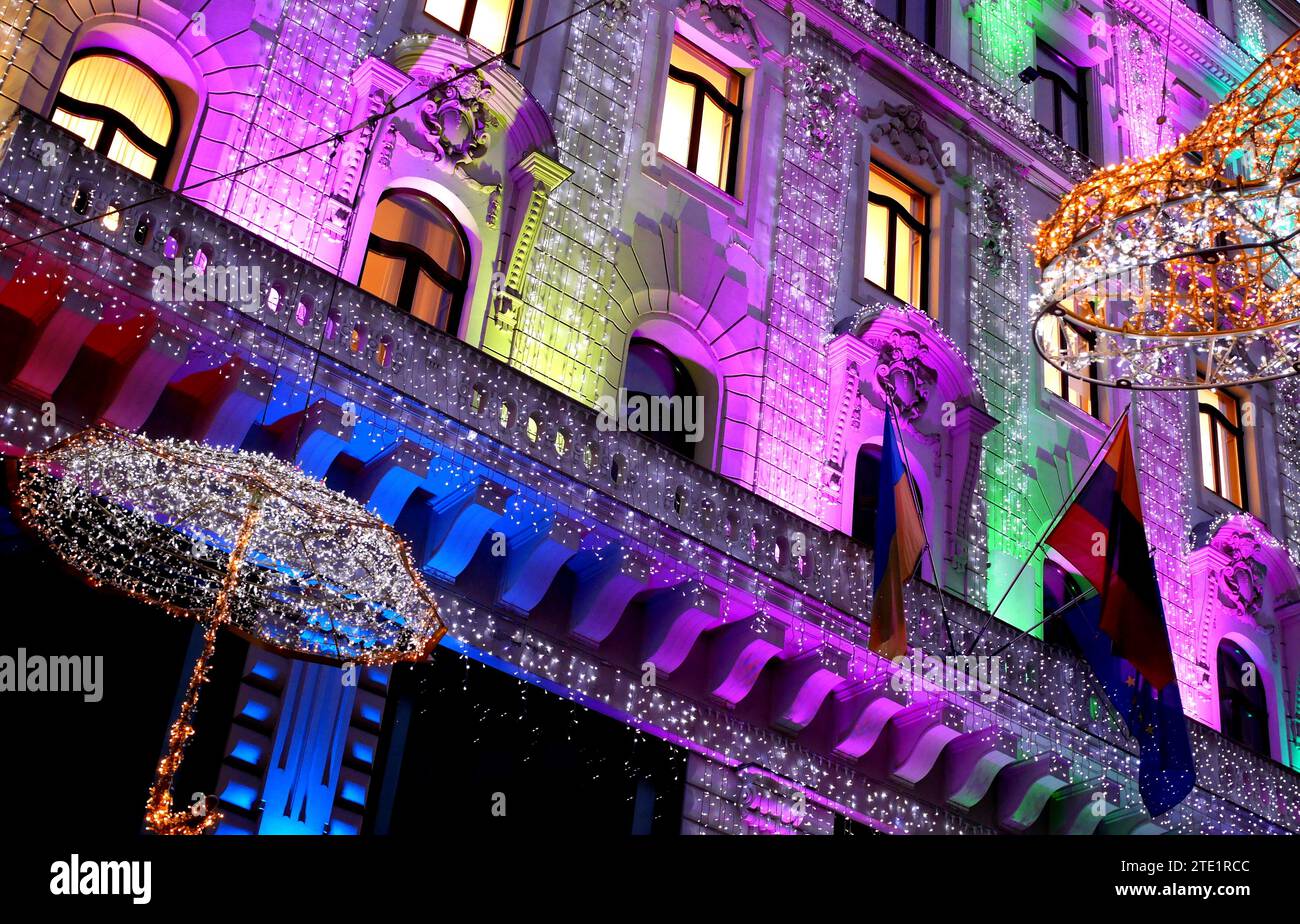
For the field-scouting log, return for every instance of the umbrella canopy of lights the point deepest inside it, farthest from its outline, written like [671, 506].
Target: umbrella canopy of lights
[231, 539]
[1179, 270]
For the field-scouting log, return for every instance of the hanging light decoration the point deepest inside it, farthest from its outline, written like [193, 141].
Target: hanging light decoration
[231, 539]
[1179, 270]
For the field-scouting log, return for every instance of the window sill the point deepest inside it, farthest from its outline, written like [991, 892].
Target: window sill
[670, 173]
[865, 292]
[1212, 503]
[1066, 410]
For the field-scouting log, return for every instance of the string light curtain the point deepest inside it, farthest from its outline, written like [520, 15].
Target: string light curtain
[1181, 265]
[232, 539]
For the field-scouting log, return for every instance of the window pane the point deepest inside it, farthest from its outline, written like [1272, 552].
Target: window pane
[1209, 477]
[675, 128]
[1081, 395]
[883, 184]
[86, 129]
[447, 12]
[714, 126]
[432, 303]
[1230, 407]
[1069, 122]
[382, 276]
[904, 262]
[876, 257]
[1048, 60]
[491, 21]
[1045, 103]
[122, 151]
[1229, 465]
[409, 218]
[689, 58]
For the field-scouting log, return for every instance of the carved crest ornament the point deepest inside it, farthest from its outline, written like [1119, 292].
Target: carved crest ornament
[729, 21]
[451, 127]
[1239, 583]
[903, 374]
[905, 127]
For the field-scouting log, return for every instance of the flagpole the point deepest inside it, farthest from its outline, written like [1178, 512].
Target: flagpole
[1069, 499]
[929, 546]
[1078, 598]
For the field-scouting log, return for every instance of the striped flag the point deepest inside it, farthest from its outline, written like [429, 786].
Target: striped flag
[900, 539]
[1122, 634]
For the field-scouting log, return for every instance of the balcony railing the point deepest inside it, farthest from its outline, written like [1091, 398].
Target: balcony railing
[51, 172]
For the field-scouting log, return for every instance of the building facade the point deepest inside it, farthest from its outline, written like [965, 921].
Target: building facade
[417, 247]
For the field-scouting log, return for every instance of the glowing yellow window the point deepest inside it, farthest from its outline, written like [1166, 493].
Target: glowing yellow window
[700, 126]
[417, 258]
[1079, 392]
[120, 109]
[896, 254]
[487, 22]
[1223, 445]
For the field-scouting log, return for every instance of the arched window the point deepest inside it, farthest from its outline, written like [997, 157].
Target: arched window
[1243, 704]
[653, 372]
[417, 259]
[866, 494]
[120, 109]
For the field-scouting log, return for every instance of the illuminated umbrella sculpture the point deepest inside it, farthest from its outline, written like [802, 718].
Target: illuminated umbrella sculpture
[231, 539]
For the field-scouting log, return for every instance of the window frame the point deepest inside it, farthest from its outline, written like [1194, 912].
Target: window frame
[1094, 393]
[1219, 420]
[513, 22]
[702, 88]
[920, 227]
[1078, 94]
[414, 260]
[114, 121]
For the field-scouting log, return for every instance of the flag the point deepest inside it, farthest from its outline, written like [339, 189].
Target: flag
[1122, 632]
[900, 538]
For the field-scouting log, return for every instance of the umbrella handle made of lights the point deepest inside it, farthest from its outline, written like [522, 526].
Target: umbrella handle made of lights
[159, 815]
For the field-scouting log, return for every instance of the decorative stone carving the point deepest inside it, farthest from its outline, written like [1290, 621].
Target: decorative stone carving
[903, 374]
[907, 131]
[1239, 582]
[827, 97]
[998, 220]
[451, 127]
[729, 21]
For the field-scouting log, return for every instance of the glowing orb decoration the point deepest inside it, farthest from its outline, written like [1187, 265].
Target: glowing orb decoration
[1179, 270]
[231, 539]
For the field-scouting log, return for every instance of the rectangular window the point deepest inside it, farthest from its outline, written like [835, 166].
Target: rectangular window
[896, 254]
[1200, 7]
[915, 16]
[1060, 97]
[1082, 394]
[490, 23]
[1223, 447]
[700, 127]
